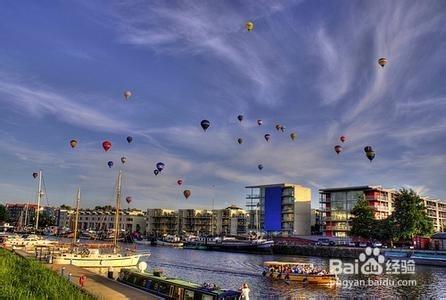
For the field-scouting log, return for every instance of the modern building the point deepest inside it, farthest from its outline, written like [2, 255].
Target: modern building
[282, 208]
[337, 203]
[63, 217]
[162, 221]
[436, 210]
[229, 221]
[130, 220]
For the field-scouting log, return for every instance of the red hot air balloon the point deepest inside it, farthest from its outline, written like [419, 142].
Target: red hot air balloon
[179, 182]
[187, 193]
[128, 199]
[338, 149]
[106, 145]
[343, 138]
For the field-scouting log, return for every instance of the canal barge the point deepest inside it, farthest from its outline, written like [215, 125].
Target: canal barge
[173, 288]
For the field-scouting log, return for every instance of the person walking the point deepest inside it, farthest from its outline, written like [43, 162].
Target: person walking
[245, 292]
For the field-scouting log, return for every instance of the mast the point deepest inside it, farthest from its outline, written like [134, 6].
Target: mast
[26, 215]
[78, 200]
[39, 197]
[118, 202]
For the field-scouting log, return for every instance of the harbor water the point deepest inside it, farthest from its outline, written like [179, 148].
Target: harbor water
[231, 270]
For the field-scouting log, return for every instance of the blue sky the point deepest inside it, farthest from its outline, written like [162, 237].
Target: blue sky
[310, 65]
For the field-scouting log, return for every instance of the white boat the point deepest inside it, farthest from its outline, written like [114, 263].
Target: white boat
[93, 258]
[170, 241]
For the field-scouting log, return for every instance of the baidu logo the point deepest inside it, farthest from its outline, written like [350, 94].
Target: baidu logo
[372, 262]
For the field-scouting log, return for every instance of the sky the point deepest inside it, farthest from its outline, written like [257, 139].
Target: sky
[309, 65]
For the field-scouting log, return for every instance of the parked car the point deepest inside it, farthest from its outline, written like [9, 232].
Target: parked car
[352, 244]
[377, 244]
[325, 242]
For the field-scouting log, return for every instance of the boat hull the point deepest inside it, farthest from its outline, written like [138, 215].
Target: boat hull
[232, 247]
[100, 261]
[302, 278]
[169, 244]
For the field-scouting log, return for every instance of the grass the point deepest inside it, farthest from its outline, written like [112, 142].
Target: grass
[22, 278]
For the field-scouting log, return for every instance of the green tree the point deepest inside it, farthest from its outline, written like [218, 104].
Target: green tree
[46, 219]
[4, 214]
[385, 231]
[409, 217]
[67, 207]
[362, 222]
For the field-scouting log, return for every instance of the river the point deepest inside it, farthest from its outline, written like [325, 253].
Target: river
[231, 270]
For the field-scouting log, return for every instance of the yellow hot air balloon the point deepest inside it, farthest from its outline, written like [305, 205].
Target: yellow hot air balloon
[249, 26]
[382, 61]
[73, 143]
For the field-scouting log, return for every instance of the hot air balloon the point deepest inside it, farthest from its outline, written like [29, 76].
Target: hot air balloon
[127, 95]
[260, 166]
[370, 155]
[278, 127]
[106, 145]
[249, 26]
[368, 148]
[187, 193]
[338, 149]
[123, 159]
[293, 136]
[156, 172]
[282, 128]
[240, 118]
[205, 124]
[382, 61]
[267, 137]
[73, 143]
[129, 139]
[160, 166]
[110, 164]
[128, 199]
[343, 138]
[259, 122]
[35, 175]
[240, 141]
[179, 182]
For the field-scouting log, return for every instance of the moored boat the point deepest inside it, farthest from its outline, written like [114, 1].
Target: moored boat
[430, 258]
[169, 241]
[298, 272]
[173, 288]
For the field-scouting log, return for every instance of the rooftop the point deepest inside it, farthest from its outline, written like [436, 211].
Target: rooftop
[357, 188]
[273, 185]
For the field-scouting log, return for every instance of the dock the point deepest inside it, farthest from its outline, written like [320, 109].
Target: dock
[96, 285]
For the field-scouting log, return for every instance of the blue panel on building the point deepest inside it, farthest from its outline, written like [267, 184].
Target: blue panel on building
[273, 209]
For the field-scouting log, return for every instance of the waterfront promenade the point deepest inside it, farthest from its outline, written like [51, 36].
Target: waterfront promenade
[96, 285]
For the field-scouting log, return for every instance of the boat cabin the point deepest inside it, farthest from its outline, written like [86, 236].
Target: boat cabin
[174, 288]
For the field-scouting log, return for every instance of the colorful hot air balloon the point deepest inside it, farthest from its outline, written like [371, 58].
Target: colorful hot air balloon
[259, 122]
[368, 148]
[128, 199]
[156, 172]
[127, 95]
[179, 182]
[129, 139]
[338, 149]
[382, 61]
[35, 175]
[267, 137]
[106, 145]
[205, 124]
[249, 26]
[260, 166]
[293, 136]
[240, 141]
[343, 138]
[240, 118]
[160, 166]
[73, 143]
[110, 164]
[187, 193]
[278, 127]
[370, 155]
[123, 159]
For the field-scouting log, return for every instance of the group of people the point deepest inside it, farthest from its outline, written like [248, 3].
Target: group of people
[295, 269]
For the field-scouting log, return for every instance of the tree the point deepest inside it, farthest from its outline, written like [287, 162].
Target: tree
[385, 231]
[4, 214]
[67, 207]
[363, 220]
[409, 216]
[46, 219]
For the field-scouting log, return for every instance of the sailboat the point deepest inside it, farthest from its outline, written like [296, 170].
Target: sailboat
[88, 257]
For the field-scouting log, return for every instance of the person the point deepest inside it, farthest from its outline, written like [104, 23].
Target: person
[245, 292]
